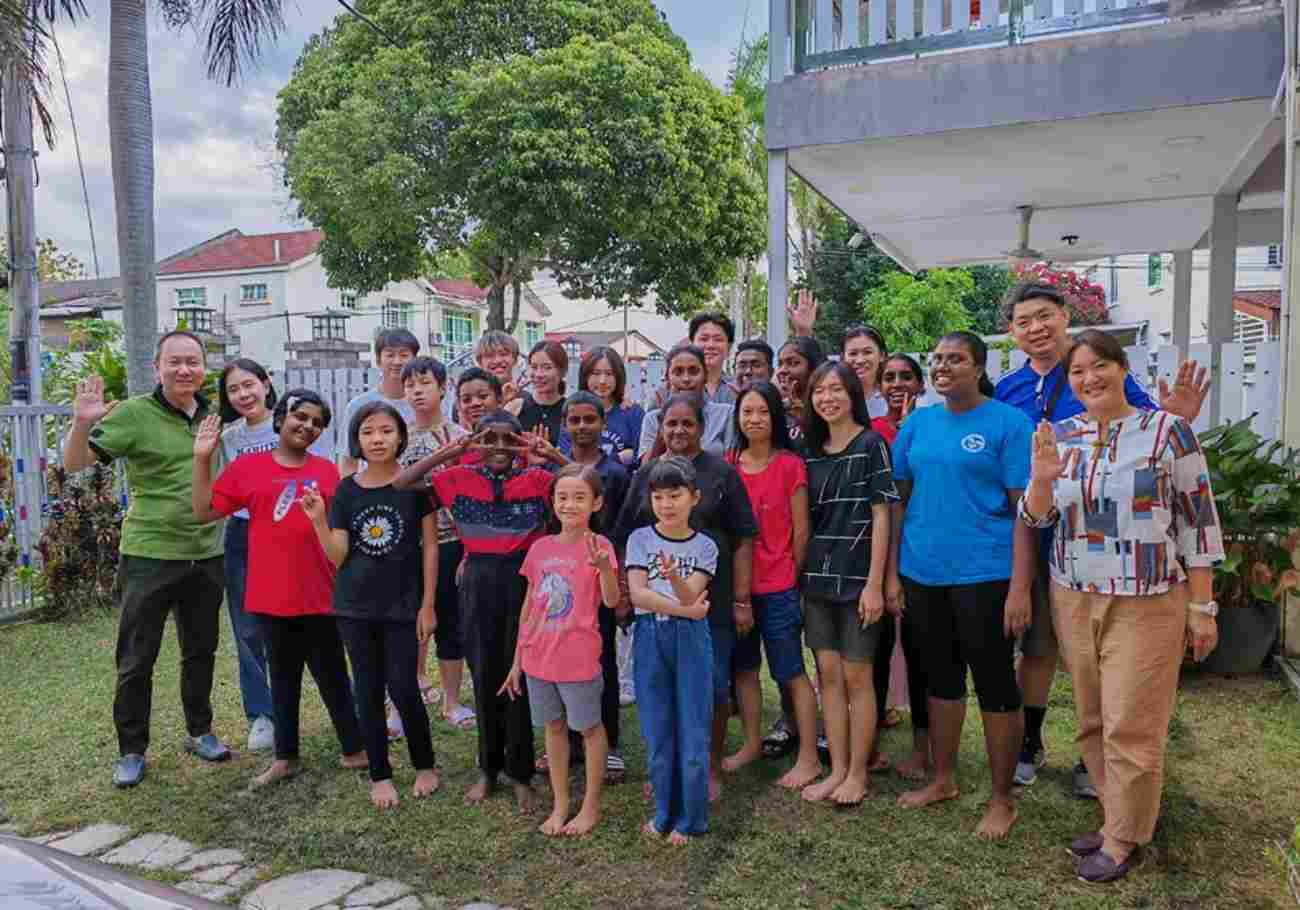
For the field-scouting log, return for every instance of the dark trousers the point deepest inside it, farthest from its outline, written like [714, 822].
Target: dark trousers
[609, 706]
[491, 599]
[384, 655]
[913, 634]
[152, 588]
[312, 642]
[880, 667]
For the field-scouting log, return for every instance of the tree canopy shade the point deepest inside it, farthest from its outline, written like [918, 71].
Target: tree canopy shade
[531, 134]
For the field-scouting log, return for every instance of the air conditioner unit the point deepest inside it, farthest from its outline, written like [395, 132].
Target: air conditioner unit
[436, 337]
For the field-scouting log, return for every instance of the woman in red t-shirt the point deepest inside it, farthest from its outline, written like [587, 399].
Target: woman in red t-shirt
[290, 581]
[901, 384]
[777, 483]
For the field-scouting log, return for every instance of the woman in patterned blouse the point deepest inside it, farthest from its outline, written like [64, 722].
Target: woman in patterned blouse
[1132, 584]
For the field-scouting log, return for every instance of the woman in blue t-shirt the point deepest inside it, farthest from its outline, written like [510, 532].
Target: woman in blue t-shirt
[966, 566]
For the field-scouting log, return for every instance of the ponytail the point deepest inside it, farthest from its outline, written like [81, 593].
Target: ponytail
[987, 389]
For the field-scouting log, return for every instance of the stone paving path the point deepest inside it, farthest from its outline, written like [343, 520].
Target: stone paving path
[226, 875]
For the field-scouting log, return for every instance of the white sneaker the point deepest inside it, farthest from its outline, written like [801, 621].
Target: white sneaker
[626, 695]
[261, 735]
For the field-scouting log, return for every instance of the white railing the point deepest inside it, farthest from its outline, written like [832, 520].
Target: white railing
[828, 33]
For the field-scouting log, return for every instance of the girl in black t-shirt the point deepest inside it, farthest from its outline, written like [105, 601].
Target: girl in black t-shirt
[543, 404]
[384, 542]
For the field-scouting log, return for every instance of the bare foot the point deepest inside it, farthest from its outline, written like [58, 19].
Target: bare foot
[999, 816]
[426, 782]
[817, 793]
[851, 792]
[678, 839]
[915, 767]
[877, 761]
[650, 830]
[648, 790]
[800, 776]
[935, 792]
[383, 794]
[747, 753]
[715, 787]
[279, 770]
[479, 790]
[357, 761]
[582, 823]
[525, 797]
[554, 824]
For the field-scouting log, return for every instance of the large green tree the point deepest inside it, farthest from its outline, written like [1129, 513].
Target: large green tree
[914, 312]
[558, 134]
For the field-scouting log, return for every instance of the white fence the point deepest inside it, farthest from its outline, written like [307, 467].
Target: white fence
[31, 436]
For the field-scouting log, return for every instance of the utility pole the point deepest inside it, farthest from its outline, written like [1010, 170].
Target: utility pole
[20, 184]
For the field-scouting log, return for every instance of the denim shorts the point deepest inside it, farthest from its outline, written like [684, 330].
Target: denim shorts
[724, 646]
[778, 621]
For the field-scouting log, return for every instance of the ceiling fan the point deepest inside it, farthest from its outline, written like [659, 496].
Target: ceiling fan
[1024, 254]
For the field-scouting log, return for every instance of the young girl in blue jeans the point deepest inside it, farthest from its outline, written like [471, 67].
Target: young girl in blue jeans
[669, 565]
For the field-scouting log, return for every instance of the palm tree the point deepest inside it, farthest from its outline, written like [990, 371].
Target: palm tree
[235, 30]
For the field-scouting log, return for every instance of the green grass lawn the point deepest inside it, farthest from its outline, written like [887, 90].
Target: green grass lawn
[1232, 788]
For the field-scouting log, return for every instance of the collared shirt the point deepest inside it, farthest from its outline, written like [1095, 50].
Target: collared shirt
[1135, 510]
[157, 441]
[1033, 393]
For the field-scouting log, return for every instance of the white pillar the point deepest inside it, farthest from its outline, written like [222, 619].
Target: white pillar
[778, 255]
[1289, 393]
[1223, 283]
[1182, 301]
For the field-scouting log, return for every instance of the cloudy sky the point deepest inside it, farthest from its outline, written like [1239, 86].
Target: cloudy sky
[214, 146]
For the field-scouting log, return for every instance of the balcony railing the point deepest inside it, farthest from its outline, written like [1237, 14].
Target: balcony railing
[830, 33]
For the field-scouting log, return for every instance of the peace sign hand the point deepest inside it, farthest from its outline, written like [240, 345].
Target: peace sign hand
[909, 405]
[668, 565]
[597, 555]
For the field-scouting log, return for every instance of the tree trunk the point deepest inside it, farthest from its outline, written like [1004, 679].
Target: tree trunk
[130, 132]
[514, 309]
[496, 300]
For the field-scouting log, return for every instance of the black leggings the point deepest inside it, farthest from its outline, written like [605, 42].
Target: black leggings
[384, 655]
[912, 635]
[880, 668]
[313, 642]
[961, 626]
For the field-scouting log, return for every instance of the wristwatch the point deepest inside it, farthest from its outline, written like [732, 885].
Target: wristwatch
[1209, 608]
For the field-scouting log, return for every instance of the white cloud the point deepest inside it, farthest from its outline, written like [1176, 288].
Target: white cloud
[213, 145]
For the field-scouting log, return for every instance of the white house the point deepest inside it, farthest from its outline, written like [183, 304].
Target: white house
[269, 289]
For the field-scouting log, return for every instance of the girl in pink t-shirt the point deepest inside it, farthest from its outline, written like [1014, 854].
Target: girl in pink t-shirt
[558, 651]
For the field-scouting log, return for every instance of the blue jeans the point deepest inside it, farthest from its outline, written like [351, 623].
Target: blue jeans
[673, 663]
[254, 677]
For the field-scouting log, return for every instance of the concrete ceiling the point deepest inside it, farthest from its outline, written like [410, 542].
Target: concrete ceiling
[1124, 183]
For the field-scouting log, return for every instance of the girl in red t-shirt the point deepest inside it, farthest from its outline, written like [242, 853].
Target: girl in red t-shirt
[777, 483]
[290, 582]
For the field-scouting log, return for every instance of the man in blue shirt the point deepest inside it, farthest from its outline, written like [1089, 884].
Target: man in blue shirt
[1039, 323]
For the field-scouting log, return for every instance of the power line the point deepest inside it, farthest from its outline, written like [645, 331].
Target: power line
[76, 141]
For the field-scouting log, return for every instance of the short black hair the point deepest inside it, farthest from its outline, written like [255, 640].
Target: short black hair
[478, 374]
[758, 344]
[587, 398]
[693, 400]
[1103, 345]
[672, 472]
[396, 338]
[367, 410]
[1030, 290]
[178, 333]
[808, 349]
[224, 407]
[290, 402]
[684, 347]
[721, 320]
[422, 366]
[499, 416]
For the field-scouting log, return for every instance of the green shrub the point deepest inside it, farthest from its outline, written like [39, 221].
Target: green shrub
[79, 548]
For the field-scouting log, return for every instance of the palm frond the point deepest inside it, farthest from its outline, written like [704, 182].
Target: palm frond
[25, 28]
[236, 31]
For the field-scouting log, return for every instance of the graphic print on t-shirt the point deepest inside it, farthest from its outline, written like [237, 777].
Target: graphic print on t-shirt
[686, 564]
[377, 530]
[559, 596]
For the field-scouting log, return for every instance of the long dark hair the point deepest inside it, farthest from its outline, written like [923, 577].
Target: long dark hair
[292, 399]
[610, 356]
[816, 430]
[808, 349]
[979, 352]
[559, 358]
[776, 410]
[224, 407]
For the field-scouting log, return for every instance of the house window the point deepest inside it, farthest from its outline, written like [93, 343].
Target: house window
[457, 332]
[532, 334]
[191, 297]
[398, 314]
[348, 300]
[253, 293]
[329, 327]
[1155, 270]
[194, 319]
[1275, 256]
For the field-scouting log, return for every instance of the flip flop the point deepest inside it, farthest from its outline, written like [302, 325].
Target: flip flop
[780, 742]
[430, 694]
[463, 718]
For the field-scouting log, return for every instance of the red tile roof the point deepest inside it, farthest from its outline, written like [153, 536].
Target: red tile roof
[1269, 299]
[245, 251]
[460, 288]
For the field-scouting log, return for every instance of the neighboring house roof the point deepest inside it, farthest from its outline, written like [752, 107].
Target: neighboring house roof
[236, 251]
[1271, 300]
[467, 293]
[590, 340]
[89, 292]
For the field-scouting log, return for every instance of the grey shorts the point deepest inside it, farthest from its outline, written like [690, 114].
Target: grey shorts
[576, 702]
[830, 626]
[1039, 638]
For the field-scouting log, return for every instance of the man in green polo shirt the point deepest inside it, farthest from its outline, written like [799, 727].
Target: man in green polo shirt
[169, 560]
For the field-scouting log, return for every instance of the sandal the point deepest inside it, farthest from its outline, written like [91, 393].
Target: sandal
[393, 721]
[615, 768]
[781, 741]
[429, 693]
[893, 717]
[463, 718]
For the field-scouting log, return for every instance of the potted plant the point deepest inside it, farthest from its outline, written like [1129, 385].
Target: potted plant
[1257, 493]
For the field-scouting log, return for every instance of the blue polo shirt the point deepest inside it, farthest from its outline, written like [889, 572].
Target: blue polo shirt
[1026, 390]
